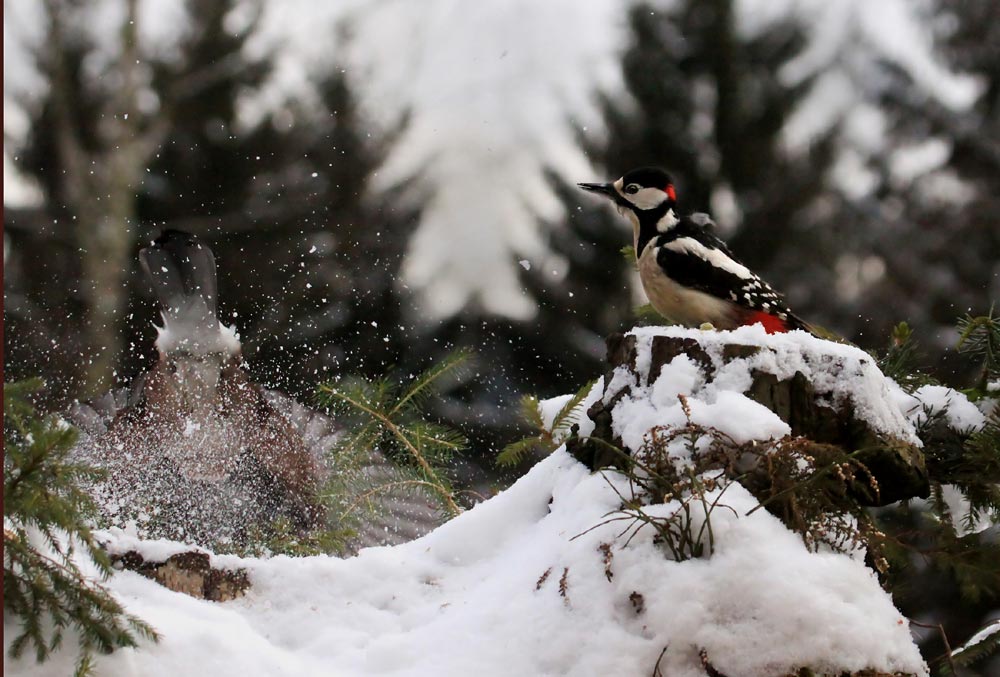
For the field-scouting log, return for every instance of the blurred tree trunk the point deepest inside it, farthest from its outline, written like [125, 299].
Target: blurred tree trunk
[101, 178]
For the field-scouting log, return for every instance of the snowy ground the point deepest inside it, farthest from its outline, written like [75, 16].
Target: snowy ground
[520, 585]
[466, 600]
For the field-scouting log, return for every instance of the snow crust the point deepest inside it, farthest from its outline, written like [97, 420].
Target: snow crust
[960, 414]
[470, 598]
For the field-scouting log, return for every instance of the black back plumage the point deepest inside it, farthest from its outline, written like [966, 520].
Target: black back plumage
[692, 270]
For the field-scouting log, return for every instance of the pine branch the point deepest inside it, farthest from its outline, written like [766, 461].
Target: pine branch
[983, 644]
[531, 412]
[899, 362]
[980, 337]
[425, 382]
[391, 421]
[43, 496]
[515, 452]
[571, 410]
[546, 439]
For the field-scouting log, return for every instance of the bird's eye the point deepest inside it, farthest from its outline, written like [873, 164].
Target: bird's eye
[632, 188]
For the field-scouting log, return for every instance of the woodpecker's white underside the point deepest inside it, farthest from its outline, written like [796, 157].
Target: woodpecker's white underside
[683, 305]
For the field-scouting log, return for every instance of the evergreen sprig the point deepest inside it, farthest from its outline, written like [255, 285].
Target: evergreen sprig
[980, 337]
[984, 643]
[45, 510]
[899, 361]
[546, 438]
[388, 416]
[941, 543]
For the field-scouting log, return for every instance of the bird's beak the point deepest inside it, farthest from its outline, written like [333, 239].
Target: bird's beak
[605, 189]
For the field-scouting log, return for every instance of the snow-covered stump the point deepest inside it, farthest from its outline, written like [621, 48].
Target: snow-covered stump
[824, 392]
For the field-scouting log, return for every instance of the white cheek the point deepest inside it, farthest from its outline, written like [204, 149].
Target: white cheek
[648, 198]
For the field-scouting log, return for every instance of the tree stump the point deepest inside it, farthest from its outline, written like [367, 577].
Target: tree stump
[897, 464]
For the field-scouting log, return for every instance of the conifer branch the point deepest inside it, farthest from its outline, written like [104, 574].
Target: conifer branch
[389, 418]
[47, 591]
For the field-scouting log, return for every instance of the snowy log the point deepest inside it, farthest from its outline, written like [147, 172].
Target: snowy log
[826, 392]
[190, 572]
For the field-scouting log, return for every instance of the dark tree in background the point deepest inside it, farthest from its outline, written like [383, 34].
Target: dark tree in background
[89, 144]
[307, 259]
[590, 297]
[939, 236]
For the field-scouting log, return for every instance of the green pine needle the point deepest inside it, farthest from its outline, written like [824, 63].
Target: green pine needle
[545, 440]
[390, 418]
[899, 362]
[969, 654]
[980, 337]
[44, 588]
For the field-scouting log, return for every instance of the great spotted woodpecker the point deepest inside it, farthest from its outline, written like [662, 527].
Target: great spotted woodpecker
[216, 456]
[689, 274]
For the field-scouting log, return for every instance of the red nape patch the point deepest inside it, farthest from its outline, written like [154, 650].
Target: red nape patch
[669, 190]
[772, 323]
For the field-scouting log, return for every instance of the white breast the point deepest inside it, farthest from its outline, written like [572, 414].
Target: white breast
[680, 304]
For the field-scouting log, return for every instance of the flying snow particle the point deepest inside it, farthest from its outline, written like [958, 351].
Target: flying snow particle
[525, 263]
[190, 428]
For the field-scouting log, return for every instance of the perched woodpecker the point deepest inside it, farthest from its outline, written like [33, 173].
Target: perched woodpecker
[689, 274]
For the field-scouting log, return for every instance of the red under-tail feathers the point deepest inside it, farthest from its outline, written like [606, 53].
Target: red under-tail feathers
[772, 323]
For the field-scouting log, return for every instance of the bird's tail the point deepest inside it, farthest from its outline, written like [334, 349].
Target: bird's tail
[181, 269]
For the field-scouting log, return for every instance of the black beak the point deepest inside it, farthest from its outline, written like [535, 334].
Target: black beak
[605, 189]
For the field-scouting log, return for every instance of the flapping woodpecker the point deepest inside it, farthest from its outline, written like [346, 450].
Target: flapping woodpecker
[213, 455]
[689, 274]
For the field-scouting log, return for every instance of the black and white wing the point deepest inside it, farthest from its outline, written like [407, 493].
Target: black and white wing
[697, 259]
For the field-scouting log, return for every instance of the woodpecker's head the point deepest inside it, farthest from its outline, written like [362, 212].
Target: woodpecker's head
[640, 192]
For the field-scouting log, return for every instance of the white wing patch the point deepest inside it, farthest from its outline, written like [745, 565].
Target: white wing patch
[667, 221]
[718, 258]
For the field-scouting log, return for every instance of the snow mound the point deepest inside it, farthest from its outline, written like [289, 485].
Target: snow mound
[518, 585]
[842, 375]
